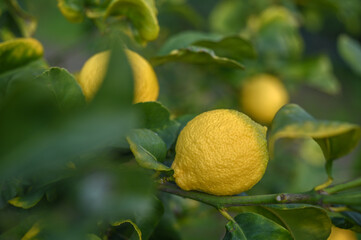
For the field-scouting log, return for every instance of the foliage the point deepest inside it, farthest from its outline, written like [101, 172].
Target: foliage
[101, 169]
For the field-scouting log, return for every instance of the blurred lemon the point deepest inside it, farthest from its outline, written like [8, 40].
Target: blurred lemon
[342, 234]
[92, 74]
[221, 152]
[262, 96]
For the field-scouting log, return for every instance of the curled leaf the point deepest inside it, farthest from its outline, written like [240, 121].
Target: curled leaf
[142, 14]
[18, 53]
[136, 228]
[148, 148]
[156, 117]
[255, 226]
[191, 46]
[196, 55]
[73, 10]
[27, 201]
[336, 139]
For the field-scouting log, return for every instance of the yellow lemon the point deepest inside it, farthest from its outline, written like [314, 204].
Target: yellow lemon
[342, 234]
[92, 74]
[262, 96]
[221, 152]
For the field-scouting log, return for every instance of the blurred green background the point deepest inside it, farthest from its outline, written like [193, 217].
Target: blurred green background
[298, 41]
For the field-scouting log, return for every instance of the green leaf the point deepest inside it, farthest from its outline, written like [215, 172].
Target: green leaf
[142, 14]
[52, 147]
[196, 55]
[350, 51]
[231, 16]
[346, 222]
[168, 132]
[186, 39]
[182, 10]
[355, 217]
[33, 232]
[148, 148]
[64, 86]
[276, 34]
[156, 117]
[315, 72]
[8, 190]
[36, 137]
[184, 119]
[140, 224]
[166, 228]
[148, 222]
[302, 221]
[234, 232]
[27, 201]
[233, 47]
[73, 10]
[116, 91]
[26, 73]
[18, 53]
[341, 222]
[15, 22]
[336, 139]
[256, 227]
[154, 114]
[136, 228]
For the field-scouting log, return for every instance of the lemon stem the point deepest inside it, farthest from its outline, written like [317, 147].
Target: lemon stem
[324, 185]
[226, 214]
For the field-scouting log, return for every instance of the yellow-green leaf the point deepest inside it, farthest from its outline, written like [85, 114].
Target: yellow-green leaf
[73, 10]
[27, 201]
[18, 53]
[142, 14]
[32, 233]
[136, 228]
[336, 139]
[148, 148]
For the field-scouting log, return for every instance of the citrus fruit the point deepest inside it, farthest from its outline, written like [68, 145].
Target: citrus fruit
[92, 74]
[262, 96]
[221, 152]
[342, 234]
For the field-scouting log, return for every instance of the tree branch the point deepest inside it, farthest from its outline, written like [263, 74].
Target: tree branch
[343, 186]
[229, 201]
[322, 198]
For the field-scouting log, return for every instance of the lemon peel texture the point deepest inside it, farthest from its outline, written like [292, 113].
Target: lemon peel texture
[221, 152]
[92, 74]
[262, 96]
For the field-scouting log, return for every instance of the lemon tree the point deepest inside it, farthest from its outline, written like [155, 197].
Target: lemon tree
[189, 120]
